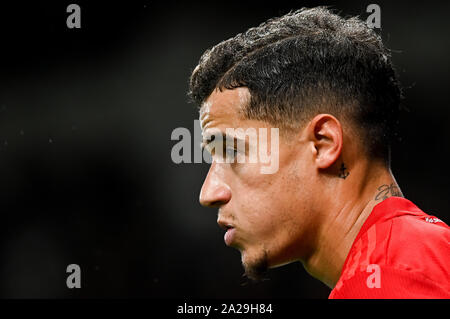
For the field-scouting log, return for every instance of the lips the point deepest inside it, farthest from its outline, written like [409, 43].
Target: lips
[229, 236]
[230, 231]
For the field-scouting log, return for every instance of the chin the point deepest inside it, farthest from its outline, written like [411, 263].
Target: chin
[255, 265]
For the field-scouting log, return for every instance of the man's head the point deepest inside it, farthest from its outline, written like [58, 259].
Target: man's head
[328, 84]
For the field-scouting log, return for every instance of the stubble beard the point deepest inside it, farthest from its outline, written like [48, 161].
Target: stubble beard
[256, 270]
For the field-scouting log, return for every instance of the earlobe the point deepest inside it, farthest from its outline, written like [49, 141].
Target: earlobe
[327, 136]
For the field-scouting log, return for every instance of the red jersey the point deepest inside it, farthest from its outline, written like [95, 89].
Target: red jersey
[400, 252]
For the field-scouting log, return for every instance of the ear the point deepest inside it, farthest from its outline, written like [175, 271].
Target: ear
[325, 133]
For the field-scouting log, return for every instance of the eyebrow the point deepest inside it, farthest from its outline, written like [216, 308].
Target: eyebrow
[202, 117]
[209, 139]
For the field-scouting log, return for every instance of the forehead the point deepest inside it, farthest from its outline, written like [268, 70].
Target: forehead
[224, 106]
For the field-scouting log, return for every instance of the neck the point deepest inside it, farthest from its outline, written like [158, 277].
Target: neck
[345, 213]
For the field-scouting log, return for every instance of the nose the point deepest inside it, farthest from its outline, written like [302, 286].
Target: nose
[215, 192]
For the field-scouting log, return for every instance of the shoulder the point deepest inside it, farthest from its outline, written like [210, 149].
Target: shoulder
[384, 282]
[419, 243]
[409, 254]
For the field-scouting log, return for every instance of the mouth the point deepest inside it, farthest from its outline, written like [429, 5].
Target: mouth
[229, 236]
[230, 232]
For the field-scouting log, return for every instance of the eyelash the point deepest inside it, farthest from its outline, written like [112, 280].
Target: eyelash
[231, 152]
[235, 152]
[225, 152]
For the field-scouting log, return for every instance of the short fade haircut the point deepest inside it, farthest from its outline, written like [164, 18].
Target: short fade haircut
[304, 63]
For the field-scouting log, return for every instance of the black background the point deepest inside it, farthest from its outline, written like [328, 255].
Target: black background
[86, 117]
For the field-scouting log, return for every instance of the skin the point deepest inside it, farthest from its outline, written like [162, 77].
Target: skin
[306, 211]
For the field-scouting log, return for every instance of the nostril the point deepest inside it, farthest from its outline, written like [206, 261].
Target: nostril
[214, 198]
[216, 203]
[214, 192]
[211, 203]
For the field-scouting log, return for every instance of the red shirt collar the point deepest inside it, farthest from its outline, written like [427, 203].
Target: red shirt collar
[387, 209]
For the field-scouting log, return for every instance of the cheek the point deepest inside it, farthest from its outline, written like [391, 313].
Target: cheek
[266, 209]
[264, 204]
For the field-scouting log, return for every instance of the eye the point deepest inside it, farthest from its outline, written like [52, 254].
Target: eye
[231, 152]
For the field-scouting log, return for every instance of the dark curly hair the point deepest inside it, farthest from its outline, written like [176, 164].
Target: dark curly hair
[304, 63]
